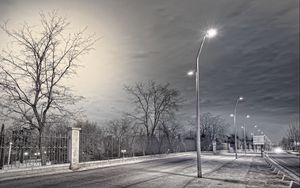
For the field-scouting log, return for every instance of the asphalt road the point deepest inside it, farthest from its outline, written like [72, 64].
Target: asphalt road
[289, 161]
[170, 172]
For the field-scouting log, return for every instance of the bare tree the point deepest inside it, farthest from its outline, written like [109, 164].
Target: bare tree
[294, 135]
[119, 128]
[152, 101]
[172, 131]
[92, 140]
[213, 129]
[135, 131]
[33, 72]
[284, 143]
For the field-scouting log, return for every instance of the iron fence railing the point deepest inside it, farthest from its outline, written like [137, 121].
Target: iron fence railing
[21, 149]
[102, 147]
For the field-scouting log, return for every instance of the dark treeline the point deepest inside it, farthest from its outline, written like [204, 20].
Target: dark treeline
[151, 128]
[292, 139]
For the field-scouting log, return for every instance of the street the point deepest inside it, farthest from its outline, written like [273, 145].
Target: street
[218, 171]
[289, 161]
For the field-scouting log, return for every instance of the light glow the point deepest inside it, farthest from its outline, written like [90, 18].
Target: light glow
[278, 150]
[190, 73]
[211, 33]
[241, 98]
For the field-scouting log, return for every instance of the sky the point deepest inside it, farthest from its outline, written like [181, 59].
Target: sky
[254, 55]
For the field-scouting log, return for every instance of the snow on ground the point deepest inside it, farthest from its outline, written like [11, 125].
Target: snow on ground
[248, 171]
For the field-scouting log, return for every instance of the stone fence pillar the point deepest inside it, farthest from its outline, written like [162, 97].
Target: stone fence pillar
[73, 147]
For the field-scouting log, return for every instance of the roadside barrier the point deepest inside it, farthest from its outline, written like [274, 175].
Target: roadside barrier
[281, 171]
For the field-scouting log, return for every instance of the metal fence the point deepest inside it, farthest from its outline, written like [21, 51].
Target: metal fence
[101, 147]
[20, 149]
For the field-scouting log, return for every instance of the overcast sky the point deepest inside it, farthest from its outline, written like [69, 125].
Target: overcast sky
[256, 54]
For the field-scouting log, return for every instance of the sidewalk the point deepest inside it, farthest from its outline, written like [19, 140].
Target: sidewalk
[247, 171]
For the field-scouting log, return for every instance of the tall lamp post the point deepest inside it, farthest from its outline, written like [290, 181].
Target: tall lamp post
[244, 127]
[209, 34]
[252, 146]
[234, 124]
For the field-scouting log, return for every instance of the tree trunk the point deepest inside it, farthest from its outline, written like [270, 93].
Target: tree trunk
[150, 147]
[2, 147]
[171, 149]
[119, 147]
[41, 147]
[132, 146]
[160, 141]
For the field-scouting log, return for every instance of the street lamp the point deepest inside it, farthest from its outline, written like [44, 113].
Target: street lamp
[240, 98]
[244, 137]
[190, 73]
[209, 34]
[252, 145]
[245, 142]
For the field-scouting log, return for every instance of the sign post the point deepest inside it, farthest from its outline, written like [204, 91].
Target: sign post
[123, 151]
[214, 147]
[259, 140]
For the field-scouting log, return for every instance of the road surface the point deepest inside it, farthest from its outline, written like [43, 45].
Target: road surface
[169, 172]
[289, 161]
[219, 171]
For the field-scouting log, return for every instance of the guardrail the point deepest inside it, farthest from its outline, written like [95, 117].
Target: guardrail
[295, 181]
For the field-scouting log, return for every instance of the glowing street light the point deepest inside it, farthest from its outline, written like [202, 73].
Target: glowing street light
[245, 141]
[191, 73]
[209, 34]
[240, 98]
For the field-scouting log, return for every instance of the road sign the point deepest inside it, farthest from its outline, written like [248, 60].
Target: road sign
[259, 140]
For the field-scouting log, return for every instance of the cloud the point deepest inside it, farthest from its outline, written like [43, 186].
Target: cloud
[256, 54]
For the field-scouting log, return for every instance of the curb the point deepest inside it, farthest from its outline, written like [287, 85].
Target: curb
[122, 161]
[11, 174]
